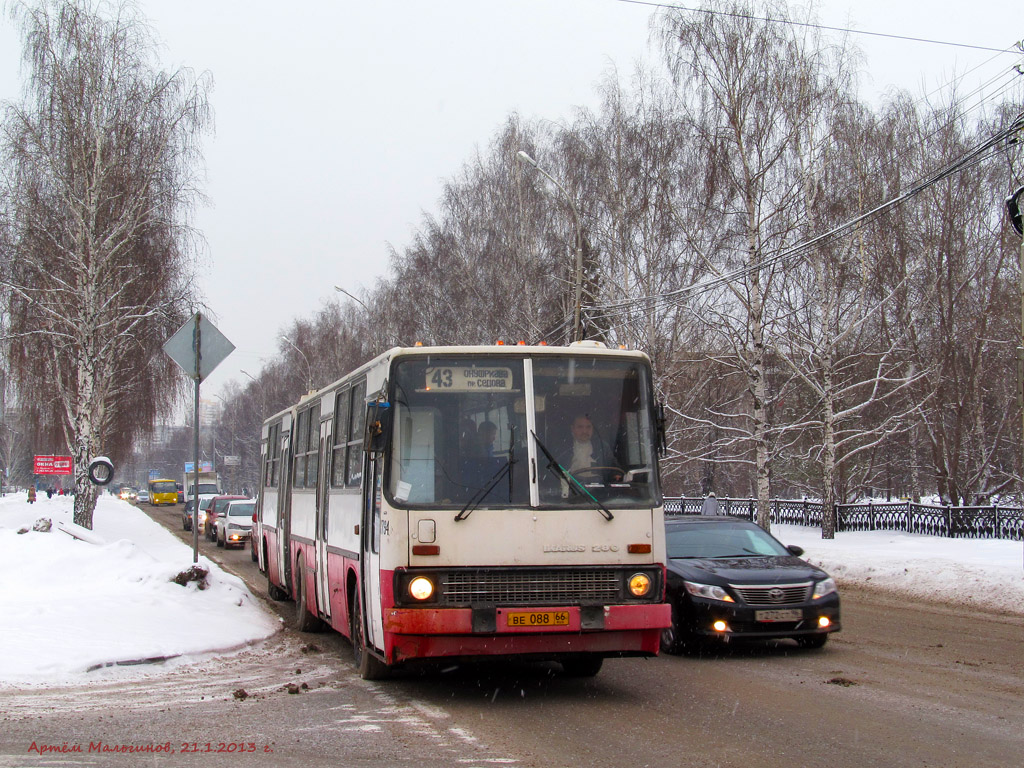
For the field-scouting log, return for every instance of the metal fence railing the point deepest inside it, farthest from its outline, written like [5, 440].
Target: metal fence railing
[994, 522]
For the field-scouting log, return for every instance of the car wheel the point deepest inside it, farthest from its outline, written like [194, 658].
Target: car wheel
[369, 666]
[304, 620]
[670, 635]
[252, 552]
[582, 666]
[220, 542]
[812, 641]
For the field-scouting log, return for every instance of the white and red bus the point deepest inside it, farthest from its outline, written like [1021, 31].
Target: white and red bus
[466, 502]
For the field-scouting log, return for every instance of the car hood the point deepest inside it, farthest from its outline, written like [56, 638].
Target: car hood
[745, 570]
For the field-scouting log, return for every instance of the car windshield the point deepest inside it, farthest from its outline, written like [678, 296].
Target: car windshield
[462, 432]
[163, 487]
[204, 503]
[241, 510]
[721, 539]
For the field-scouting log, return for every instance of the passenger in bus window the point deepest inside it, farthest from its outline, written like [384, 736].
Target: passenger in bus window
[469, 440]
[487, 433]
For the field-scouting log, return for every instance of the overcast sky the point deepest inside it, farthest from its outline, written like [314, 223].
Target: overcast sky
[337, 122]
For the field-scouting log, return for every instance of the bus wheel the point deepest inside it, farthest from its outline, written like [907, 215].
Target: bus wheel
[304, 620]
[369, 666]
[274, 591]
[582, 666]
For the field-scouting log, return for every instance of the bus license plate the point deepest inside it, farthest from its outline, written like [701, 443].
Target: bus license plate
[793, 614]
[539, 619]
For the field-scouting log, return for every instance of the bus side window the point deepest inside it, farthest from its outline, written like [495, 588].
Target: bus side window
[357, 419]
[339, 458]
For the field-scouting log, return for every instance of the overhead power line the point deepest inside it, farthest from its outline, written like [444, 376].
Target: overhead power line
[809, 25]
[678, 296]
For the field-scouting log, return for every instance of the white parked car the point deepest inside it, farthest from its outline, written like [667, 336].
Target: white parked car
[186, 513]
[234, 527]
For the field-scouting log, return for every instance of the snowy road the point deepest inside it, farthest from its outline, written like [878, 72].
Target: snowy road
[904, 685]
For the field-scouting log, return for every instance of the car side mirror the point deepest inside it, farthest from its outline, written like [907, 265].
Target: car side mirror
[795, 550]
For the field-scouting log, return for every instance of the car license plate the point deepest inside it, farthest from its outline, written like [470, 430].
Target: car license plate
[538, 619]
[792, 614]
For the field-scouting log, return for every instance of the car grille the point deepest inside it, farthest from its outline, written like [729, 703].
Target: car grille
[531, 587]
[774, 594]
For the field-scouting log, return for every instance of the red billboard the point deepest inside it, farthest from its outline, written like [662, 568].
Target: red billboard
[52, 465]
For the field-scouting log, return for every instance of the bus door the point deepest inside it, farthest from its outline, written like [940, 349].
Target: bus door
[284, 513]
[323, 498]
[369, 535]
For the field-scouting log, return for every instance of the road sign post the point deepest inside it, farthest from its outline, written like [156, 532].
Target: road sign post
[198, 347]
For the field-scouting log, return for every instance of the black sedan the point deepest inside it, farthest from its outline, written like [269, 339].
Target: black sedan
[730, 579]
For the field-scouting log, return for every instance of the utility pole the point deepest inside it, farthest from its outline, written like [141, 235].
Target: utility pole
[1013, 208]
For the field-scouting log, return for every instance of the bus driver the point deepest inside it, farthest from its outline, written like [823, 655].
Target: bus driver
[587, 449]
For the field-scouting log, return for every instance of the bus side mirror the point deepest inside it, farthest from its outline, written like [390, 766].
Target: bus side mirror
[378, 427]
[659, 423]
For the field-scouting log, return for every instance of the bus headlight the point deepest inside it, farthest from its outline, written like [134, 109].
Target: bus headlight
[421, 588]
[639, 584]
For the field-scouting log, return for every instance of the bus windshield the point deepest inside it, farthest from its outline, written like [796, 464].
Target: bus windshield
[463, 429]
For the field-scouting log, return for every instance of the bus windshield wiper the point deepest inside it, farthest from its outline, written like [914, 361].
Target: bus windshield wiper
[480, 495]
[504, 469]
[575, 485]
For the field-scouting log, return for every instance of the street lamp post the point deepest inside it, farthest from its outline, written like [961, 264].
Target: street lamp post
[339, 289]
[577, 324]
[263, 394]
[309, 368]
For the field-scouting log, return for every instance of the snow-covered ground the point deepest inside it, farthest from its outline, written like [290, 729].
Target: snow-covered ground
[72, 609]
[983, 573]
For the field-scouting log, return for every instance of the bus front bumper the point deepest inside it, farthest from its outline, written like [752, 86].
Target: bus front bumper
[611, 630]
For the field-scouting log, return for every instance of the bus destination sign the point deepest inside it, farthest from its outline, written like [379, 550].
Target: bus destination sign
[468, 379]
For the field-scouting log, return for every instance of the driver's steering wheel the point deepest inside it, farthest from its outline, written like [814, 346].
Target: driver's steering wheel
[604, 474]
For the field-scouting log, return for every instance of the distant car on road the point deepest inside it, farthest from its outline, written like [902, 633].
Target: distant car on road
[186, 513]
[234, 526]
[217, 507]
[730, 579]
[142, 497]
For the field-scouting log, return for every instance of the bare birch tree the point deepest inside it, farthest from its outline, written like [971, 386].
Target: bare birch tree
[750, 128]
[99, 176]
[855, 375]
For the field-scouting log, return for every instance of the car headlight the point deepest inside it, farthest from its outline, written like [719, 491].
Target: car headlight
[708, 591]
[824, 587]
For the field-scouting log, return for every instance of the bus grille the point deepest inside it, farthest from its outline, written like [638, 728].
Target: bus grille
[775, 594]
[531, 587]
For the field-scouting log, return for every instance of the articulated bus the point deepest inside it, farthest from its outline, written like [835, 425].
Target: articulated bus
[451, 503]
